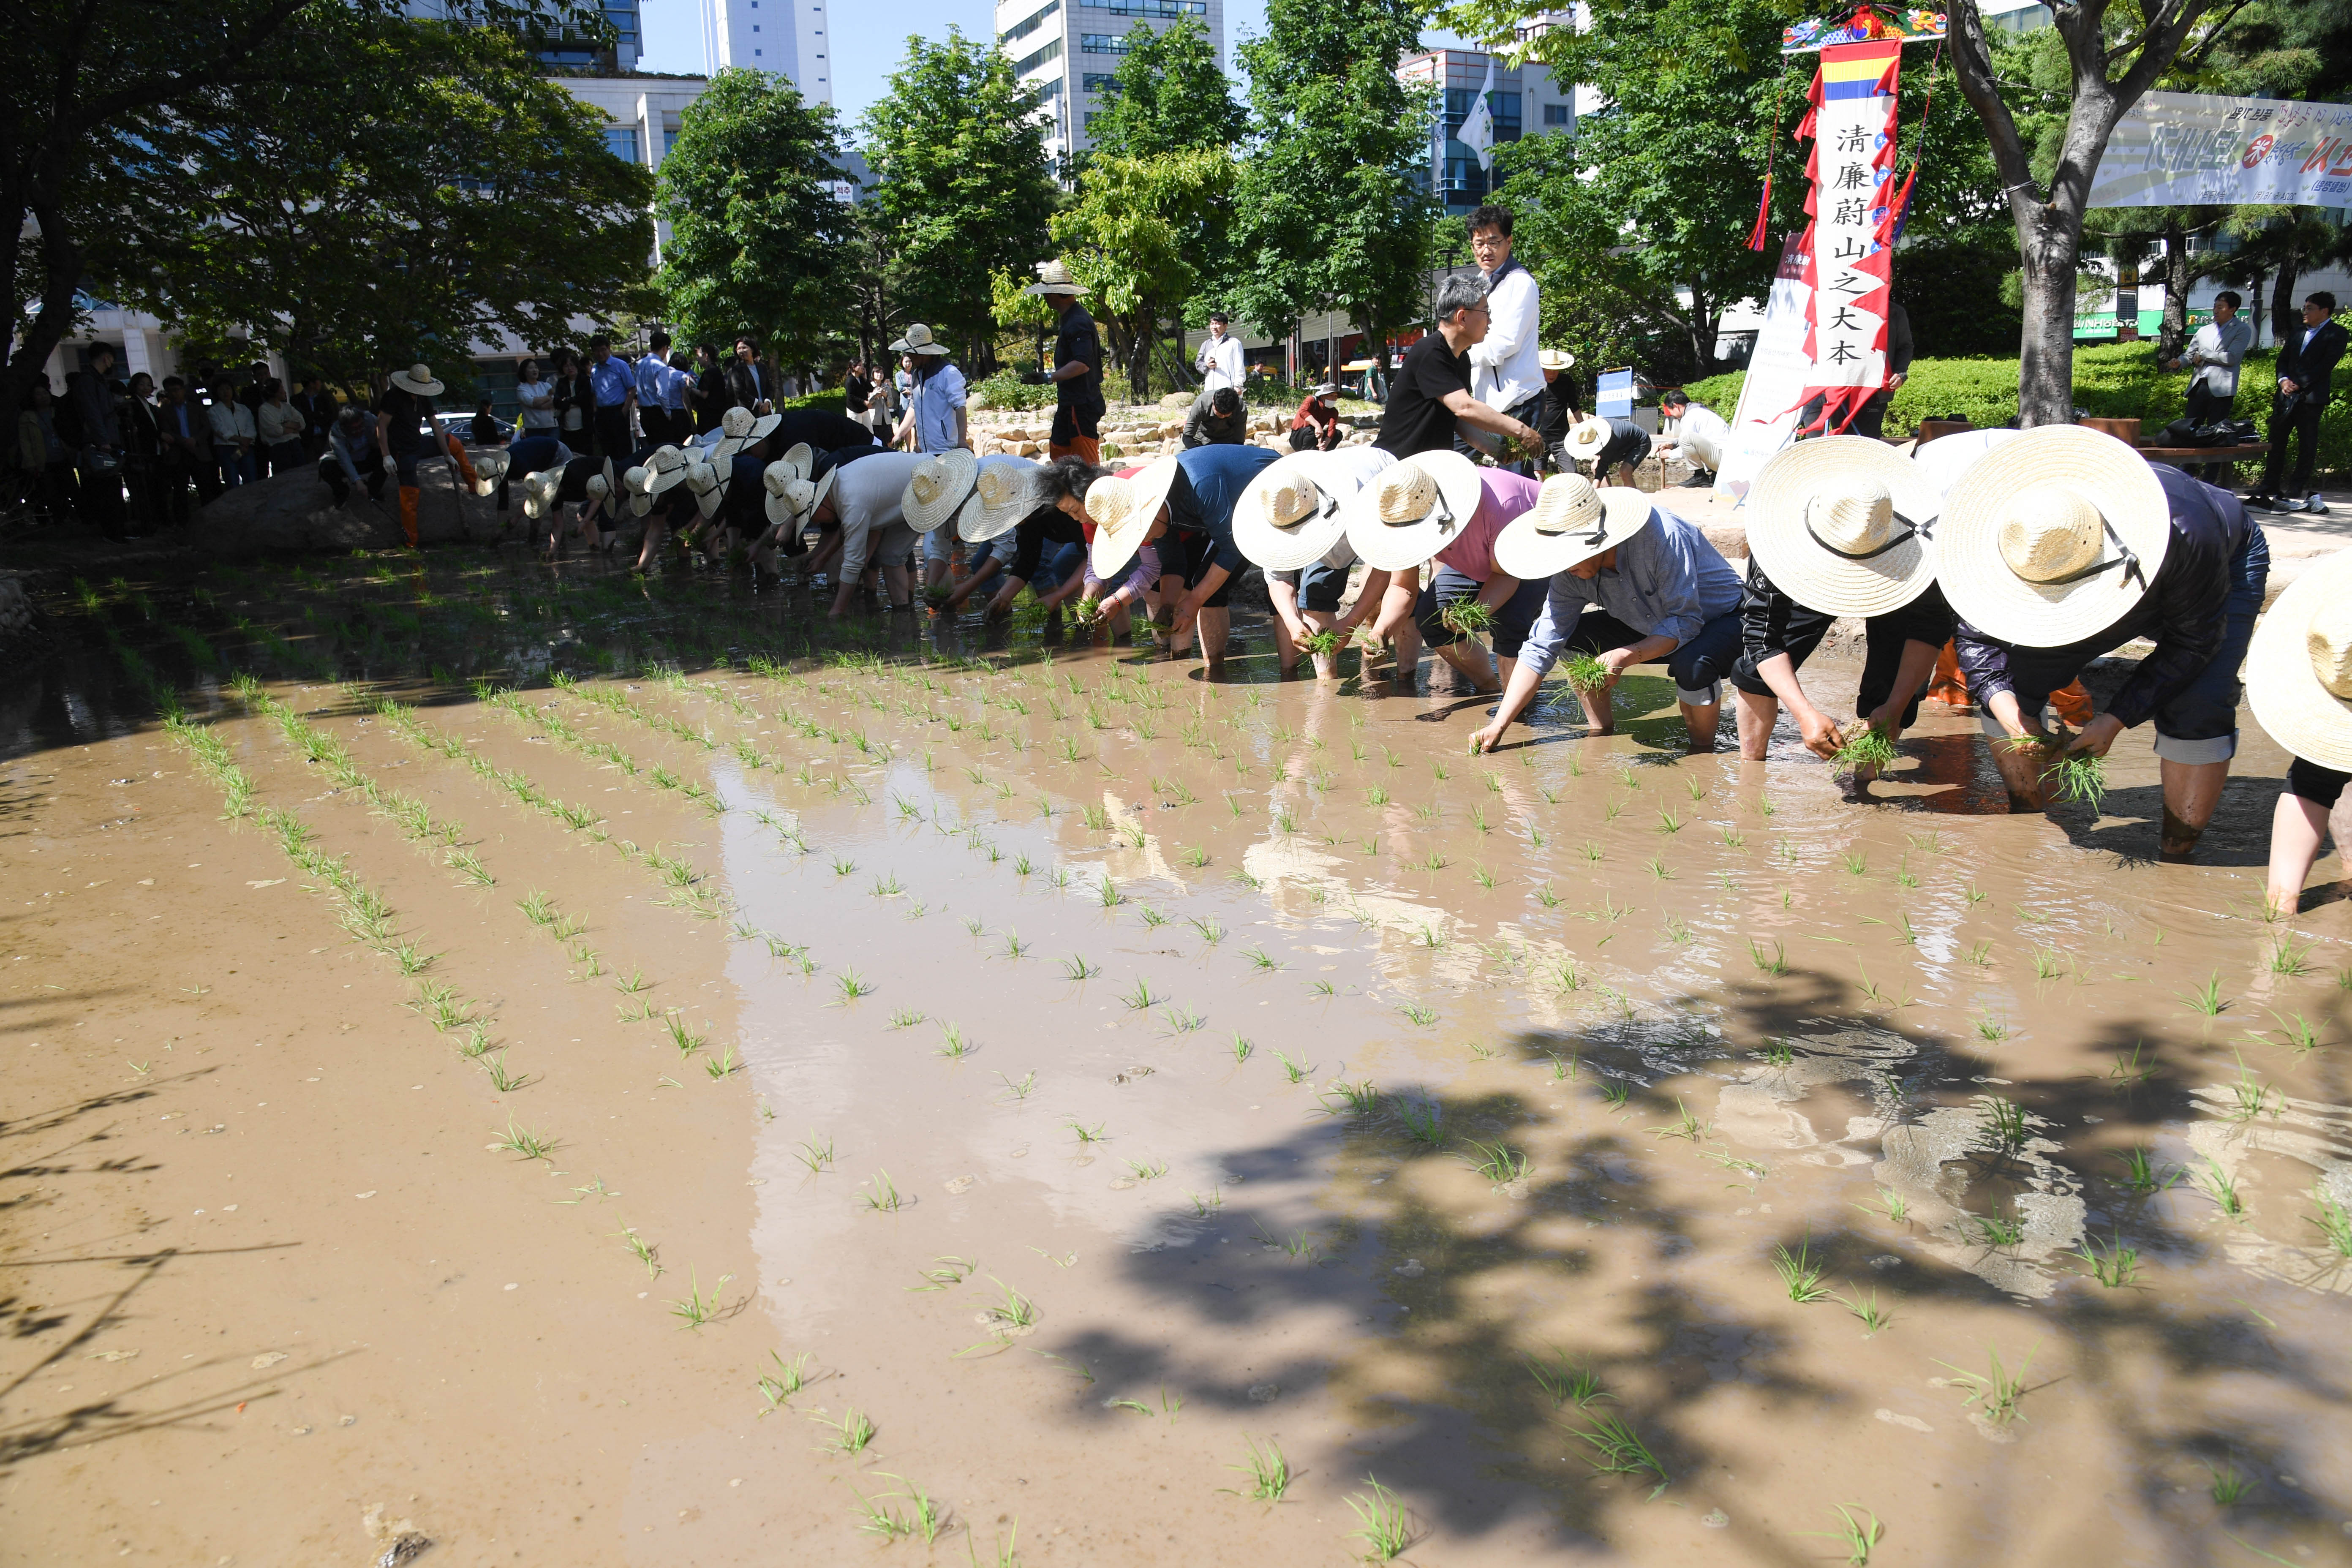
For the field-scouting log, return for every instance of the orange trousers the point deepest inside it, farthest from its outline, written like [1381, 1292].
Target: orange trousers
[1950, 687]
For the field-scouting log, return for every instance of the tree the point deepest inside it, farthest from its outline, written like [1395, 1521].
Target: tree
[92, 83]
[965, 185]
[1131, 237]
[2110, 61]
[436, 187]
[1171, 97]
[756, 236]
[1327, 216]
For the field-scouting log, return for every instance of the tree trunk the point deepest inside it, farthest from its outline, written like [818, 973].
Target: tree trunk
[2050, 248]
[2284, 317]
[2254, 313]
[61, 262]
[2174, 335]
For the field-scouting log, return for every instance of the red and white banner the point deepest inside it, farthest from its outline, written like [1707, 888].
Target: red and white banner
[1849, 244]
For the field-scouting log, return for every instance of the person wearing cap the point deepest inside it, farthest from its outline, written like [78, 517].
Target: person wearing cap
[1185, 504]
[2064, 544]
[1042, 512]
[1699, 436]
[1216, 416]
[1220, 361]
[403, 412]
[1838, 526]
[1442, 507]
[1292, 521]
[1077, 375]
[2299, 684]
[1631, 582]
[1316, 426]
[1614, 447]
[614, 390]
[1505, 372]
[1430, 402]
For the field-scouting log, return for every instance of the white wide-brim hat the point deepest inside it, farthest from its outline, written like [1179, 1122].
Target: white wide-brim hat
[740, 423]
[1587, 437]
[489, 467]
[791, 498]
[1124, 510]
[419, 378]
[600, 484]
[2299, 658]
[708, 484]
[2079, 511]
[918, 340]
[1555, 359]
[1416, 508]
[936, 487]
[1006, 491]
[663, 470]
[1845, 525]
[1573, 520]
[1293, 512]
[538, 491]
[1053, 278]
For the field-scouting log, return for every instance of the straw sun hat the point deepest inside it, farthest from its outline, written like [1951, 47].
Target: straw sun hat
[2299, 667]
[708, 484]
[790, 496]
[1555, 359]
[1842, 525]
[2052, 537]
[1124, 511]
[1006, 491]
[1053, 278]
[937, 488]
[1572, 521]
[1288, 518]
[1415, 508]
[664, 469]
[419, 378]
[1587, 437]
[918, 340]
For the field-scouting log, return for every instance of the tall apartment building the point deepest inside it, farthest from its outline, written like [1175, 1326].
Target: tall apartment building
[786, 37]
[1070, 49]
[1525, 101]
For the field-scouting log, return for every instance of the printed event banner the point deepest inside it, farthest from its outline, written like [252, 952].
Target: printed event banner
[1849, 245]
[2190, 148]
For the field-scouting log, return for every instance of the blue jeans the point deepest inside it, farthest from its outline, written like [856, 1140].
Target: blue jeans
[1320, 586]
[1697, 667]
[2198, 723]
[1513, 618]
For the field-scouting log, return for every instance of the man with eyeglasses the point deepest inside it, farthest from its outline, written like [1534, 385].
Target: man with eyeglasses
[1430, 402]
[1505, 372]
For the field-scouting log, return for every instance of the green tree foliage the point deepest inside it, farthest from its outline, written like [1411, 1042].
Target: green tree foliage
[965, 187]
[756, 234]
[93, 84]
[436, 186]
[1134, 236]
[1326, 214]
[1171, 96]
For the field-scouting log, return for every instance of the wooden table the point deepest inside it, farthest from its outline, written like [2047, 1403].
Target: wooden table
[2190, 457]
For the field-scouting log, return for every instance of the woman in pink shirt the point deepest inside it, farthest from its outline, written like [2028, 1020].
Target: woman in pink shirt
[1465, 569]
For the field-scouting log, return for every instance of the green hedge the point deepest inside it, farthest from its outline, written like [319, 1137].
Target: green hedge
[1005, 390]
[834, 402]
[2114, 380]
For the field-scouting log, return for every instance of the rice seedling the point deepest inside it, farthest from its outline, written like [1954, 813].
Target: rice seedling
[1268, 1471]
[1020, 1088]
[2301, 1038]
[1616, 1095]
[1991, 1028]
[1800, 1276]
[2047, 965]
[2004, 1129]
[685, 1039]
[1499, 1163]
[1013, 1312]
[522, 1141]
[2218, 1184]
[537, 907]
[1203, 1208]
[852, 985]
[853, 1431]
[1992, 1231]
[1423, 1017]
[1183, 1021]
[881, 1194]
[1566, 1381]
[2207, 998]
[1995, 1391]
[952, 1044]
[1684, 1124]
[1141, 997]
[1084, 1133]
[1979, 954]
[1584, 674]
[1864, 1305]
[500, 1079]
[2335, 1222]
[694, 1309]
[789, 1378]
[1423, 1120]
[1777, 1052]
[1858, 1540]
[1209, 930]
[1152, 916]
[1619, 1450]
[1856, 863]
[1387, 1528]
[905, 1018]
[1776, 965]
[814, 1152]
[1146, 1170]
[1867, 746]
[641, 1250]
[1293, 1069]
[2115, 1266]
[2229, 1487]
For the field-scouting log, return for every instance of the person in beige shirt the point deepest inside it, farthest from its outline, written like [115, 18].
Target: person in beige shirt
[278, 425]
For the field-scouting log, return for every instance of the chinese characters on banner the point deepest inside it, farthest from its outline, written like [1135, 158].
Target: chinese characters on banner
[1849, 245]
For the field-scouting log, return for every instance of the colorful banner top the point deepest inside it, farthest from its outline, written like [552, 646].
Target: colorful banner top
[1864, 27]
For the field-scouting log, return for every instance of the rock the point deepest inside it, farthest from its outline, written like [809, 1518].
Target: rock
[1176, 400]
[293, 510]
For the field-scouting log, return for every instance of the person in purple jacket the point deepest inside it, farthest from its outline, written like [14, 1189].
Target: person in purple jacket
[2063, 546]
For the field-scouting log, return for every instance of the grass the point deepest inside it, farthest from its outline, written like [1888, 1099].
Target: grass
[1467, 617]
[1618, 1450]
[1499, 1163]
[694, 1309]
[789, 1378]
[1567, 1383]
[1800, 1276]
[1858, 1540]
[1387, 1528]
[1423, 1017]
[952, 1044]
[2207, 998]
[1013, 1312]
[1020, 1088]
[1685, 1125]
[852, 985]
[1867, 747]
[2230, 1485]
[1864, 1305]
[815, 1154]
[2141, 1175]
[1996, 1391]
[1293, 1069]
[522, 1141]
[1422, 1121]
[1077, 968]
[2333, 1221]
[881, 1194]
[1776, 965]
[1268, 1471]
[2114, 1265]
[1585, 673]
[2217, 1183]
[1084, 1133]
[2004, 1124]
[852, 1430]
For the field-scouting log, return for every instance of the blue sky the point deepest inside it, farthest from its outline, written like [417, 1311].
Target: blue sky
[865, 53]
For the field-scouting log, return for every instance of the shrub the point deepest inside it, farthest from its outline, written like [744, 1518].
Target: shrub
[834, 402]
[1005, 390]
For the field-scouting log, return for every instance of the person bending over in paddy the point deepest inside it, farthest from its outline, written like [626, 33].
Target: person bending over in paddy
[1440, 507]
[1043, 511]
[1292, 522]
[651, 475]
[867, 498]
[791, 482]
[2064, 544]
[584, 483]
[1630, 584]
[1839, 526]
[2299, 683]
[1185, 505]
[1005, 489]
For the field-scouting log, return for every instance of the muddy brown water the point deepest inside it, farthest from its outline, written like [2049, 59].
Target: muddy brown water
[273, 1293]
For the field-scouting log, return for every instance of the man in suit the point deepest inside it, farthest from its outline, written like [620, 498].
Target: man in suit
[2305, 362]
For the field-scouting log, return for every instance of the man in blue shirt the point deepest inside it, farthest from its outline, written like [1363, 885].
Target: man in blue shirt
[936, 421]
[651, 374]
[1194, 532]
[615, 391]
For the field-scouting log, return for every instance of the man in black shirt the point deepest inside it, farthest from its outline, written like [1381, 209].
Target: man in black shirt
[1076, 376]
[1430, 401]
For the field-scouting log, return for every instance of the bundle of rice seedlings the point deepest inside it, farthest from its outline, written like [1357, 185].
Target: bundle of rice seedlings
[2076, 777]
[1466, 618]
[1089, 608]
[1583, 672]
[1867, 746]
[1323, 644]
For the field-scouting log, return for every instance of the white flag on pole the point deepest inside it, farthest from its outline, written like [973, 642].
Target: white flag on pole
[1477, 132]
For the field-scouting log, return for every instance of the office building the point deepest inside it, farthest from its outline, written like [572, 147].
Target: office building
[1525, 101]
[1070, 50]
[785, 37]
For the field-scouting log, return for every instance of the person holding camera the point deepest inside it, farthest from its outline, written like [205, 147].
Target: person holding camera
[2212, 358]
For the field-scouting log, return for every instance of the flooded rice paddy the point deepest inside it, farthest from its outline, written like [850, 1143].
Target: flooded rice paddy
[575, 1069]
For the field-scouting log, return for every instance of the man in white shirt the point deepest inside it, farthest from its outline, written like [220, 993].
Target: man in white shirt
[2212, 357]
[1220, 362]
[1505, 373]
[1699, 434]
